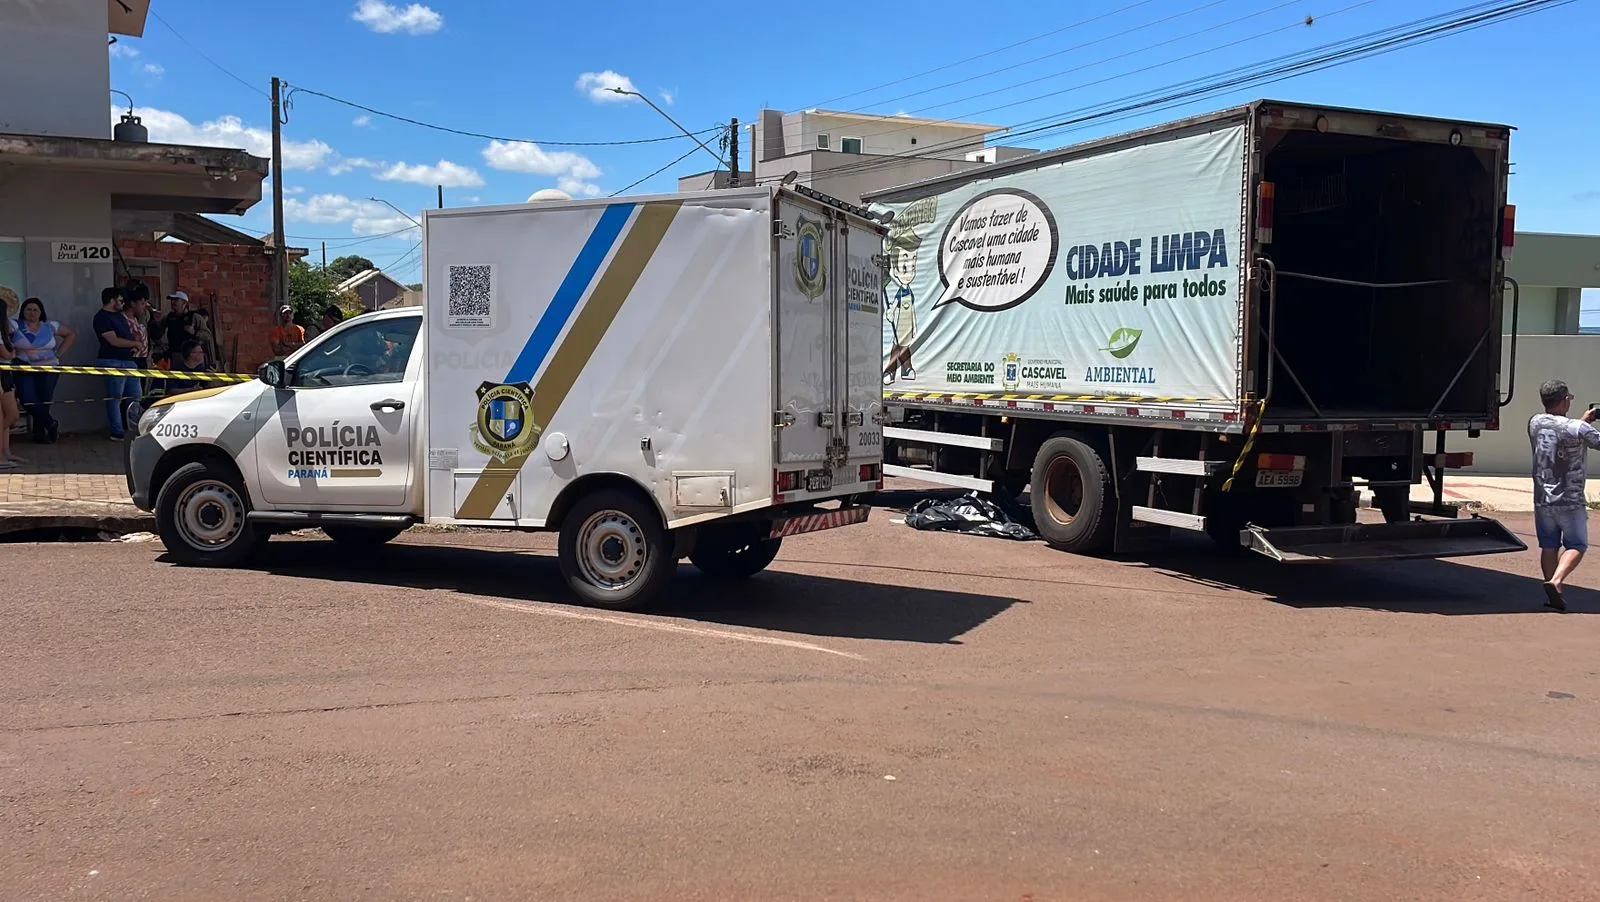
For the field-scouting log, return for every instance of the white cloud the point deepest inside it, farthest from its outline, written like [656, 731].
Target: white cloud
[155, 70]
[349, 163]
[669, 97]
[521, 156]
[295, 189]
[548, 194]
[228, 131]
[361, 121]
[366, 217]
[385, 18]
[446, 173]
[124, 50]
[578, 187]
[598, 86]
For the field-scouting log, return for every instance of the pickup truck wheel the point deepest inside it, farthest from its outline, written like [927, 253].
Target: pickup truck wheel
[733, 555]
[615, 553]
[202, 517]
[361, 536]
[1073, 500]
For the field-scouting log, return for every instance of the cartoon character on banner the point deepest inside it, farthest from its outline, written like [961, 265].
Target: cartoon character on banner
[899, 308]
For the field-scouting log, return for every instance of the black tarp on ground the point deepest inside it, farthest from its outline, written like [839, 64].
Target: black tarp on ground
[973, 514]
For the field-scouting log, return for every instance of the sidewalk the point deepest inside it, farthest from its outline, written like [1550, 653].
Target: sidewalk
[76, 483]
[1508, 494]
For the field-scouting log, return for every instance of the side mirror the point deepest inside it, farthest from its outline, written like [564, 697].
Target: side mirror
[273, 373]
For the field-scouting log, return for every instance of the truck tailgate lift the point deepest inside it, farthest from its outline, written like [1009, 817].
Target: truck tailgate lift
[1370, 542]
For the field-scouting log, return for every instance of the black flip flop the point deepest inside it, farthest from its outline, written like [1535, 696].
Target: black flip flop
[1553, 598]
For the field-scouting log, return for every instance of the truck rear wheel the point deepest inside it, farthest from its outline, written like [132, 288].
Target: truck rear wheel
[615, 553]
[202, 516]
[733, 553]
[1073, 500]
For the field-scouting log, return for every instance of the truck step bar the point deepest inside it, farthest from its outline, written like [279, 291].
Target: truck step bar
[1176, 519]
[1178, 466]
[1367, 542]
[937, 478]
[956, 440]
[312, 519]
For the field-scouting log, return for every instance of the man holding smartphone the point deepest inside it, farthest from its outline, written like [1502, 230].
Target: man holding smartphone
[1560, 468]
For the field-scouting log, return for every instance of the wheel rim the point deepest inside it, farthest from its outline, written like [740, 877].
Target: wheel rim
[611, 550]
[1063, 490]
[210, 515]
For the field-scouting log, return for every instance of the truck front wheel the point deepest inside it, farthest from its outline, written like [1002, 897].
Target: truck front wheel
[615, 552]
[1073, 500]
[202, 516]
[733, 553]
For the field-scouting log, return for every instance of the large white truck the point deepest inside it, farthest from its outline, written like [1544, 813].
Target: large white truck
[1227, 324]
[690, 375]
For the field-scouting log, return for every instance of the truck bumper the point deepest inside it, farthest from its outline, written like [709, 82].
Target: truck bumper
[799, 524]
[1368, 542]
[140, 454]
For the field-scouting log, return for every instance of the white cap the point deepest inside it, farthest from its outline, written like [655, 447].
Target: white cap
[179, 295]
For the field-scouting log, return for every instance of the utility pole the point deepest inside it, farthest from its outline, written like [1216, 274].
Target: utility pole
[324, 255]
[441, 197]
[280, 253]
[733, 154]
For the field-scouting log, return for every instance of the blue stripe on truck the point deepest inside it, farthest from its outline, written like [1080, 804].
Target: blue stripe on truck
[572, 289]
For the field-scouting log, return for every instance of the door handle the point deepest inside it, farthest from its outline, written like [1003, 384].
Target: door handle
[388, 404]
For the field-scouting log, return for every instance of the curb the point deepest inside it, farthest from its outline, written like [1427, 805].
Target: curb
[28, 516]
[1364, 500]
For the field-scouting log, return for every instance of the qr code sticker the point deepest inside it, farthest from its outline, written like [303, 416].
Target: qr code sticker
[470, 304]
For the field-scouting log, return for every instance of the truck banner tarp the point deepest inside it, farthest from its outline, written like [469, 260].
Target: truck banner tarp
[1112, 276]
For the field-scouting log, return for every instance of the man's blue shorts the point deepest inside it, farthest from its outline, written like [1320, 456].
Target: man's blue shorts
[1562, 527]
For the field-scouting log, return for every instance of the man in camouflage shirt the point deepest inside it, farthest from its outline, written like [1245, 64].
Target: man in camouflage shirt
[1560, 507]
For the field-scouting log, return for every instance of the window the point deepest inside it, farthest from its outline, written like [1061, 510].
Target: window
[850, 145]
[367, 354]
[822, 141]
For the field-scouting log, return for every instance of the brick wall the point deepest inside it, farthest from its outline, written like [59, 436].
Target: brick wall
[233, 282]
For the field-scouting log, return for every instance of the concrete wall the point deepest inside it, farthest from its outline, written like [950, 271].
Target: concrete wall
[1573, 358]
[54, 68]
[891, 136]
[41, 208]
[1545, 259]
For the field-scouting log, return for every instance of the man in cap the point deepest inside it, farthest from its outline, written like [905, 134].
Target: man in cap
[287, 336]
[178, 325]
[1560, 505]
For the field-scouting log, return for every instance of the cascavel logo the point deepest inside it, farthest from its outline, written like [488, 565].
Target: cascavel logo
[1010, 372]
[1122, 342]
[505, 428]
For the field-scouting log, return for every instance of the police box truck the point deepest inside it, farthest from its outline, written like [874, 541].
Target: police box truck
[656, 378]
[1237, 323]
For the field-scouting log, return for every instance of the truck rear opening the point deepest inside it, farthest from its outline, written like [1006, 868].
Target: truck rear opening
[1385, 236]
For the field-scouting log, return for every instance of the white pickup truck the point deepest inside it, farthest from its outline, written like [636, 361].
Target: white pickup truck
[655, 378]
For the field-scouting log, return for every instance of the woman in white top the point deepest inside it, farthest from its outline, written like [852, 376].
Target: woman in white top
[40, 341]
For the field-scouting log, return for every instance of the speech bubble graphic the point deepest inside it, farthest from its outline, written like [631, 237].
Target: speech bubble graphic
[997, 251]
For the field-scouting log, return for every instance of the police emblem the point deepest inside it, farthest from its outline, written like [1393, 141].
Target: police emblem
[1011, 372]
[810, 261]
[505, 428]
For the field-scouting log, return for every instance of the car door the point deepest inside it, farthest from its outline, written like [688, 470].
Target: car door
[338, 435]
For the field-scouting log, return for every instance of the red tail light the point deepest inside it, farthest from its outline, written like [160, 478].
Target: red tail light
[1280, 462]
[785, 481]
[1266, 192]
[869, 472]
[1508, 232]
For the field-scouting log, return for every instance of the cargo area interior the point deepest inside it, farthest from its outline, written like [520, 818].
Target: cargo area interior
[1374, 210]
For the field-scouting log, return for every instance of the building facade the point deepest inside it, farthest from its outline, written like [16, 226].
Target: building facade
[65, 179]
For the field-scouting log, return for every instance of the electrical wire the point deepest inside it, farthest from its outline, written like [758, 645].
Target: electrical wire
[1277, 69]
[488, 137]
[656, 173]
[218, 66]
[347, 241]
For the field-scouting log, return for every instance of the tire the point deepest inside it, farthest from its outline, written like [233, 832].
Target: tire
[202, 516]
[1073, 499]
[615, 553]
[361, 536]
[730, 554]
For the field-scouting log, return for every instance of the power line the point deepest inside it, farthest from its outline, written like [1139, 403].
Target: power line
[347, 241]
[293, 89]
[219, 67]
[656, 173]
[1280, 68]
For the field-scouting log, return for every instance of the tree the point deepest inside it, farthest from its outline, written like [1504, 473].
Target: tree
[311, 290]
[349, 265]
[415, 286]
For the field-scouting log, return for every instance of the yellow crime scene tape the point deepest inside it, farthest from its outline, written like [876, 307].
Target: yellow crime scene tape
[114, 371]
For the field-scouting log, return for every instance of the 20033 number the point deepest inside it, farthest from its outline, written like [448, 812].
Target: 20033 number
[176, 430]
[869, 439]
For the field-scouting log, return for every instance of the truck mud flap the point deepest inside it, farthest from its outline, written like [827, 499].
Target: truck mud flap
[817, 522]
[1365, 542]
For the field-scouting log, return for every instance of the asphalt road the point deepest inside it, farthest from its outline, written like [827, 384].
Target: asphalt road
[886, 715]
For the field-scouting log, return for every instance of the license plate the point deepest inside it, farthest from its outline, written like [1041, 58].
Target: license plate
[819, 482]
[1279, 479]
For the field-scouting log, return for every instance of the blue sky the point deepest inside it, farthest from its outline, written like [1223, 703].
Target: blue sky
[516, 69]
